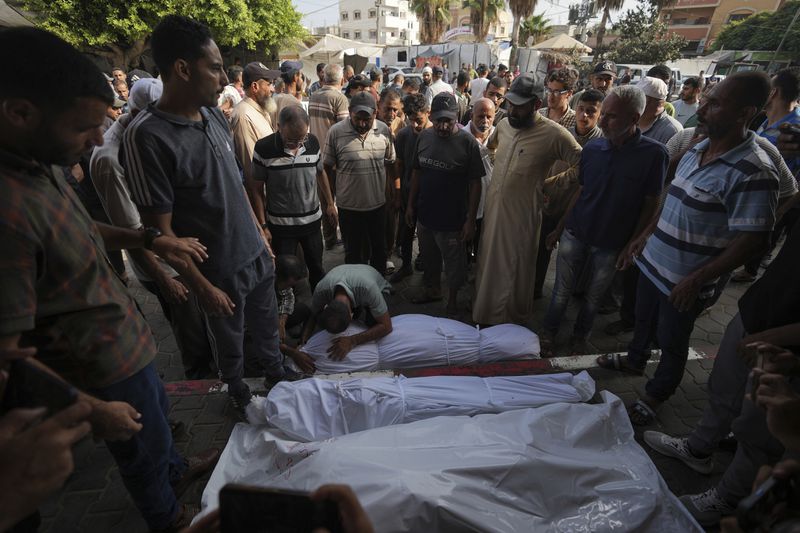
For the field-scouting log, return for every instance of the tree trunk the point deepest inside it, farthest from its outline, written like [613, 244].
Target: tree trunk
[512, 60]
[601, 33]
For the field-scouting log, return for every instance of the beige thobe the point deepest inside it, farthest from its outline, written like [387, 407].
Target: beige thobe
[512, 218]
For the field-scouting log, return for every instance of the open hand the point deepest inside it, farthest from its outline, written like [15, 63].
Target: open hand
[216, 302]
[114, 421]
[340, 347]
[174, 250]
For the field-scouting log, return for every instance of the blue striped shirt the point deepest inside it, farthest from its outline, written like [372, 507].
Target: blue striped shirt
[771, 132]
[705, 208]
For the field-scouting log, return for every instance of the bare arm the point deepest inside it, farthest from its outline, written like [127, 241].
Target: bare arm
[341, 346]
[214, 301]
[257, 196]
[552, 239]
[468, 231]
[328, 205]
[412, 198]
[743, 247]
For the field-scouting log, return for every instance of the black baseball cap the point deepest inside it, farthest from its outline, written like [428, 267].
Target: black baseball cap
[438, 70]
[524, 89]
[605, 67]
[359, 80]
[362, 102]
[258, 71]
[444, 105]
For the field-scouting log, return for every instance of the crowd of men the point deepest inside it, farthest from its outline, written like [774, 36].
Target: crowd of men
[225, 188]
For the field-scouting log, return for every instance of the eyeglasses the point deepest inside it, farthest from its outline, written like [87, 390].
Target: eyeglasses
[292, 144]
[554, 93]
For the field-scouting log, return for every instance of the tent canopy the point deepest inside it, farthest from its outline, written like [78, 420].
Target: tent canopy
[562, 41]
[430, 52]
[10, 17]
[335, 48]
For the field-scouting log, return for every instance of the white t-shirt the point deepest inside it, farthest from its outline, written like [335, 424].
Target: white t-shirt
[476, 87]
[684, 111]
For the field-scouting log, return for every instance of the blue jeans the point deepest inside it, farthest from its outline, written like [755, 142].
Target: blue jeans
[148, 462]
[657, 319]
[573, 256]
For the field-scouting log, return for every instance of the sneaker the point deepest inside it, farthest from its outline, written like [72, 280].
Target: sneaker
[679, 449]
[240, 396]
[707, 508]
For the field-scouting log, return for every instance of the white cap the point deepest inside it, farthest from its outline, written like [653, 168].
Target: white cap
[144, 91]
[429, 70]
[653, 87]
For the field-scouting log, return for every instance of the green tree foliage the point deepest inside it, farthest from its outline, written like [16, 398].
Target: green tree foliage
[520, 9]
[644, 38]
[482, 14]
[762, 31]
[120, 30]
[536, 26]
[433, 16]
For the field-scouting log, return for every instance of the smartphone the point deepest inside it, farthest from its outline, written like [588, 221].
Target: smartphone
[245, 509]
[755, 510]
[29, 386]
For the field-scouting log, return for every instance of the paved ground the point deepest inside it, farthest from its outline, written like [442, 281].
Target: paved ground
[94, 499]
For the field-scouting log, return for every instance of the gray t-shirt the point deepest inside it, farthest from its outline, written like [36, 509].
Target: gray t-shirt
[663, 128]
[363, 284]
[175, 165]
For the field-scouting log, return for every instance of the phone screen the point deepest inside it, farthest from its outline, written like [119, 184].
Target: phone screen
[265, 510]
[29, 386]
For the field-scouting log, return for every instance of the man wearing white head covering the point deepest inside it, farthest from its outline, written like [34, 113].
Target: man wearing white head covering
[654, 122]
[178, 304]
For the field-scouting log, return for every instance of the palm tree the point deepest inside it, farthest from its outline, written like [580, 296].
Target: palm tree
[537, 27]
[483, 13]
[520, 9]
[607, 6]
[433, 16]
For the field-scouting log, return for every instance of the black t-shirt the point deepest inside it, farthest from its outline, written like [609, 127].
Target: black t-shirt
[405, 145]
[445, 167]
[774, 299]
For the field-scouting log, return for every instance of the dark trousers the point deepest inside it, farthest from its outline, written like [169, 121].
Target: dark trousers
[630, 284]
[657, 319]
[148, 462]
[405, 238]
[328, 228]
[190, 328]
[543, 255]
[364, 235]
[252, 290]
[285, 240]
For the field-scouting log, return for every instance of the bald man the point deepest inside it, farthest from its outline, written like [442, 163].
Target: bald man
[481, 127]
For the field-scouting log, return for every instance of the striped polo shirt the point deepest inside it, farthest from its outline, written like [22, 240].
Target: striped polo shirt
[360, 164]
[705, 208]
[291, 180]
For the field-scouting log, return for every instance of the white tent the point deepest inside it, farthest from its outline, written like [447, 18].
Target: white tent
[331, 47]
[10, 17]
[562, 41]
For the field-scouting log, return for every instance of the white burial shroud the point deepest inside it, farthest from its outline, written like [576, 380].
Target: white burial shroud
[561, 468]
[423, 340]
[316, 409]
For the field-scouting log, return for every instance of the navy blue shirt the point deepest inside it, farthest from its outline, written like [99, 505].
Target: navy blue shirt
[615, 182]
[187, 168]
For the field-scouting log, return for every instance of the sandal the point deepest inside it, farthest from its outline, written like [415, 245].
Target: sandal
[641, 414]
[618, 362]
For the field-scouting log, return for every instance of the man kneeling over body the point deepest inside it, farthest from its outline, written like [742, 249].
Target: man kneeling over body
[341, 296]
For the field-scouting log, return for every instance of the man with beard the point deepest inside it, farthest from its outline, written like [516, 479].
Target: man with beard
[361, 152]
[602, 79]
[250, 120]
[417, 113]
[718, 214]
[655, 122]
[618, 185]
[527, 146]
[427, 78]
[481, 127]
[445, 191]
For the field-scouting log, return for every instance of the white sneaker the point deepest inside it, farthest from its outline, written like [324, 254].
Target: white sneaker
[707, 508]
[679, 449]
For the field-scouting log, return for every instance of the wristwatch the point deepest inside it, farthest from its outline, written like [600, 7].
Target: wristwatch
[151, 234]
[264, 225]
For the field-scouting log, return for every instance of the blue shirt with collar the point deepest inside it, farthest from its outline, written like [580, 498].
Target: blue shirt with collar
[615, 182]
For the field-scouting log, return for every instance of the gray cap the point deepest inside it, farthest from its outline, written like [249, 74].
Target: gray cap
[362, 101]
[524, 89]
[145, 90]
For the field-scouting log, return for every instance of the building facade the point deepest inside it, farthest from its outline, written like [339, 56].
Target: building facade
[378, 21]
[460, 29]
[700, 21]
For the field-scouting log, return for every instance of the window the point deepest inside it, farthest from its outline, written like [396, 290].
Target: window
[502, 30]
[402, 56]
[346, 34]
[403, 34]
[357, 35]
[701, 20]
[372, 13]
[738, 16]
[356, 15]
[402, 14]
[391, 34]
[373, 34]
[344, 15]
